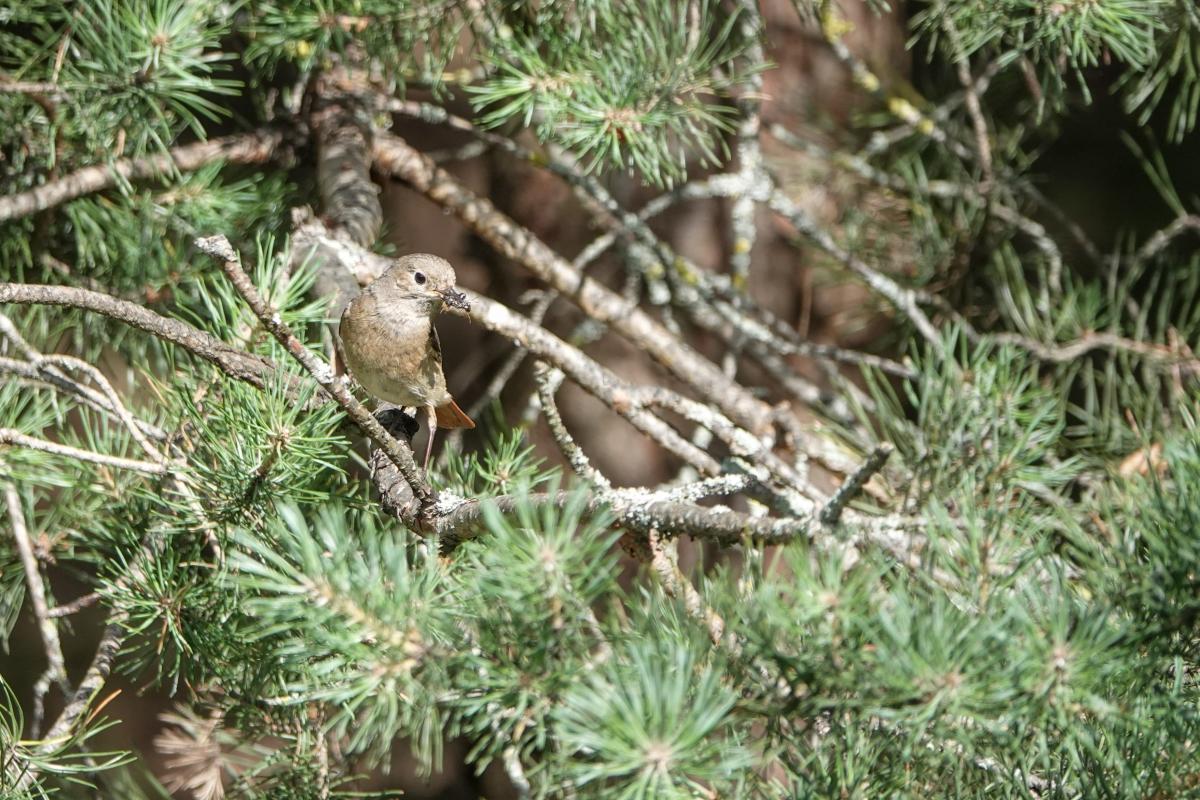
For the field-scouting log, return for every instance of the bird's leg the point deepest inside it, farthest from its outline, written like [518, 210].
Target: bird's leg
[431, 416]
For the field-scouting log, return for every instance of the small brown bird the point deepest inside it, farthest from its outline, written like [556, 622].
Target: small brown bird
[391, 346]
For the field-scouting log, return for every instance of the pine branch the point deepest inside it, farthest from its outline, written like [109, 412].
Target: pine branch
[256, 370]
[247, 148]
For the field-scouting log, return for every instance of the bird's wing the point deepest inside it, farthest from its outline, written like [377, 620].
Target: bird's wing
[435, 345]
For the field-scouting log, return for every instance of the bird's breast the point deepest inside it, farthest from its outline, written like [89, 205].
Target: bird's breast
[390, 355]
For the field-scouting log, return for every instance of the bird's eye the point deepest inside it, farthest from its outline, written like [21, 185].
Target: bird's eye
[419, 277]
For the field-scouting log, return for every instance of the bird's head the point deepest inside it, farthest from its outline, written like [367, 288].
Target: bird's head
[425, 278]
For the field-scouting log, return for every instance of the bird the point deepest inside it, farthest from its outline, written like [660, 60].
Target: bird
[391, 347]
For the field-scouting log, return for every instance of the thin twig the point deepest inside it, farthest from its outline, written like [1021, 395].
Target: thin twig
[740, 442]
[983, 147]
[29, 87]
[1042, 240]
[93, 680]
[742, 227]
[1161, 239]
[401, 455]
[833, 29]
[905, 300]
[717, 486]
[14, 437]
[1069, 351]
[67, 362]
[514, 360]
[638, 510]
[665, 562]
[832, 511]
[83, 394]
[883, 140]
[56, 669]
[548, 380]
[75, 606]
[596, 379]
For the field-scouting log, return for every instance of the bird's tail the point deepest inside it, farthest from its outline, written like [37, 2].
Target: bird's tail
[451, 416]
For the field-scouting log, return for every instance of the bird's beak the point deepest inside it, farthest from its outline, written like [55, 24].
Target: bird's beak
[456, 299]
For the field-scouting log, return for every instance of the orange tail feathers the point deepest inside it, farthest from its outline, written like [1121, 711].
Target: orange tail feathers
[451, 416]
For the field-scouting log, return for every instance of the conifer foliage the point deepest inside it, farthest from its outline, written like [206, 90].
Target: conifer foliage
[964, 564]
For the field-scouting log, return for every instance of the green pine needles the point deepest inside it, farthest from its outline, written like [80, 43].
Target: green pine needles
[921, 426]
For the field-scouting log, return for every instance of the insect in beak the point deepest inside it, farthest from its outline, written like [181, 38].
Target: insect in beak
[456, 299]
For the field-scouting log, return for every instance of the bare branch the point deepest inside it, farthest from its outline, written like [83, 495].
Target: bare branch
[89, 397]
[632, 510]
[1064, 353]
[740, 442]
[717, 486]
[1161, 239]
[832, 511]
[56, 669]
[66, 362]
[665, 561]
[93, 680]
[514, 360]
[983, 147]
[246, 148]
[15, 437]
[1041, 240]
[253, 369]
[905, 300]
[548, 380]
[833, 30]
[29, 87]
[75, 606]
[742, 225]
[596, 379]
